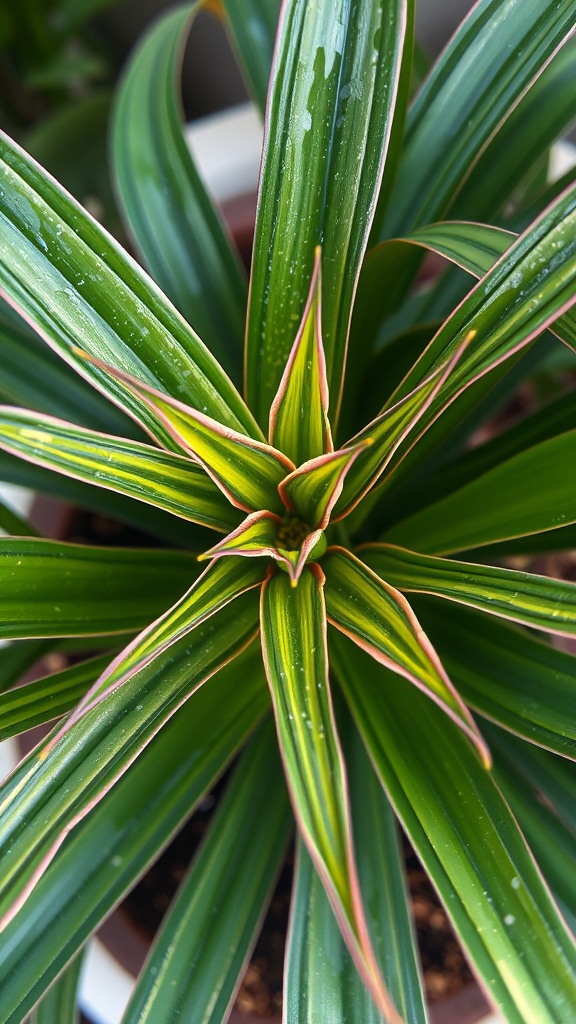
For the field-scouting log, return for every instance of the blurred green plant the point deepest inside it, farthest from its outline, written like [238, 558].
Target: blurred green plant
[450, 708]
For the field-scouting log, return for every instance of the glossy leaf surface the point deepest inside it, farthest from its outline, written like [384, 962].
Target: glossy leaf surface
[313, 490]
[69, 773]
[97, 865]
[47, 698]
[139, 471]
[521, 596]
[501, 47]
[499, 504]
[521, 683]
[197, 959]
[293, 623]
[380, 620]
[469, 843]
[53, 589]
[172, 218]
[328, 122]
[79, 288]
[299, 414]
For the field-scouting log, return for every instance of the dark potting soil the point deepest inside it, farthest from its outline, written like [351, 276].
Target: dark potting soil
[444, 968]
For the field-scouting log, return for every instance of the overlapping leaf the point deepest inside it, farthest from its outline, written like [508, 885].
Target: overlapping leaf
[293, 627]
[197, 959]
[253, 25]
[97, 865]
[380, 620]
[63, 778]
[59, 1005]
[328, 122]
[500, 48]
[468, 841]
[521, 596]
[313, 489]
[50, 589]
[137, 470]
[78, 287]
[176, 227]
[525, 685]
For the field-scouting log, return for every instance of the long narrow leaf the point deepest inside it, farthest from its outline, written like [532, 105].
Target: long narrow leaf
[139, 471]
[500, 504]
[47, 698]
[520, 596]
[97, 865]
[293, 623]
[59, 1005]
[73, 282]
[327, 128]
[19, 656]
[196, 962]
[63, 778]
[469, 843]
[380, 620]
[253, 25]
[49, 589]
[519, 682]
[247, 471]
[176, 227]
[501, 47]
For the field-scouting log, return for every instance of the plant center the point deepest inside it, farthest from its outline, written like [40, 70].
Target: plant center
[291, 533]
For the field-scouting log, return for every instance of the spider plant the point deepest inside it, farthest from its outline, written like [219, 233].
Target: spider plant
[340, 580]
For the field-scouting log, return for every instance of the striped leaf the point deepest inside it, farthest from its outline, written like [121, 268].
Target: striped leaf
[521, 683]
[198, 956]
[293, 623]
[520, 596]
[96, 866]
[59, 1005]
[313, 490]
[328, 123]
[468, 841]
[48, 589]
[299, 414]
[69, 773]
[380, 620]
[137, 470]
[77, 287]
[246, 471]
[253, 25]
[167, 208]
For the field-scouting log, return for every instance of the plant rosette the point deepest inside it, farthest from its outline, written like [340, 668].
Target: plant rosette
[337, 601]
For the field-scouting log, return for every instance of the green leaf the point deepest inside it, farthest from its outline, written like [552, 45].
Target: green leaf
[59, 1004]
[73, 282]
[541, 116]
[506, 674]
[96, 864]
[246, 471]
[313, 490]
[521, 596]
[328, 123]
[382, 872]
[529, 288]
[321, 980]
[299, 424]
[380, 620]
[498, 51]
[139, 471]
[293, 623]
[550, 839]
[12, 523]
[196, 962]
[253, 25]
[499, 504]
[48, 698]
[53, 589]
[63, 778]
[32, 375]
[171, 216]
[468, 842]
[18, 657]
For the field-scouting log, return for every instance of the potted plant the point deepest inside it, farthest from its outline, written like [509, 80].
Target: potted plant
[355, 624]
